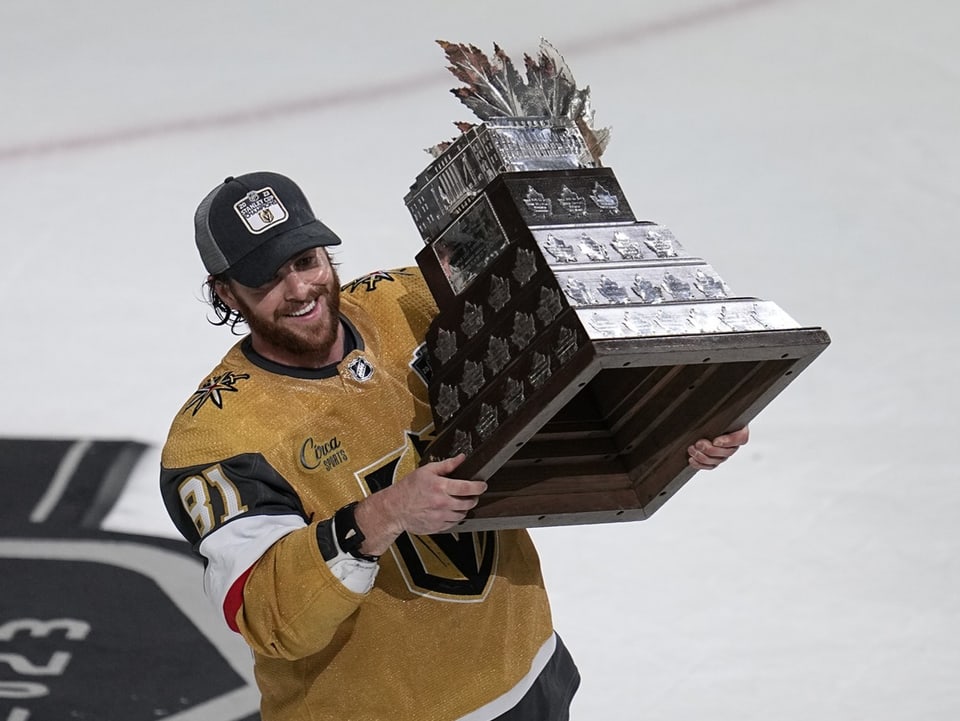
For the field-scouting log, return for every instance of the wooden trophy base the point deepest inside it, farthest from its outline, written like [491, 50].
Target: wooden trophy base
[613, 445]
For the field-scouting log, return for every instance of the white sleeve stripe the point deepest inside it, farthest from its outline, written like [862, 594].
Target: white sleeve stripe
[512, 697]
[236, 546]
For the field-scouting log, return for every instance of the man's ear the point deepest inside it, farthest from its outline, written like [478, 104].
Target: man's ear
[222, 288]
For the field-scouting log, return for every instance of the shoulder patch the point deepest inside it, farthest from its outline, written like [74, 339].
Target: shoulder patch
[213, 389]
[370, 281]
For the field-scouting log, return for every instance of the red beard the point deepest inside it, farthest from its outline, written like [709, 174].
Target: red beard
[315, 339]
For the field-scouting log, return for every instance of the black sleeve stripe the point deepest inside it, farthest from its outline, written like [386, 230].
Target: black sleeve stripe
[326, 540]
[259, 488]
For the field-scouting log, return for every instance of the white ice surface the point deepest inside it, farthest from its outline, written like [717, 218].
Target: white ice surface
[808, 149]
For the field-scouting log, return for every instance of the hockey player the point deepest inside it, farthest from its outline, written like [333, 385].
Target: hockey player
[293, 470]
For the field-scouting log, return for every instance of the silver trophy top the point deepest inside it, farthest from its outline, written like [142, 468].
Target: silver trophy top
[538, 123]
[496, 90]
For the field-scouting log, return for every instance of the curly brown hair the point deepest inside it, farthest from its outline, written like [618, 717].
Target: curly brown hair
[225, 314]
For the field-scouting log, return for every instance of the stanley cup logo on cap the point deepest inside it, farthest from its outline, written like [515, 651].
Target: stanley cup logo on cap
[260, 210]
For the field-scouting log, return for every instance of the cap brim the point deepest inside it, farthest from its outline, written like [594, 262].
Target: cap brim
[261, 264]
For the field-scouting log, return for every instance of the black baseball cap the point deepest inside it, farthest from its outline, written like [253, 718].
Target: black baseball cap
[250, 225]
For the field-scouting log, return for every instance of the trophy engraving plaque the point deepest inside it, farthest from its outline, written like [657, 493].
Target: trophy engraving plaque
[578, 350]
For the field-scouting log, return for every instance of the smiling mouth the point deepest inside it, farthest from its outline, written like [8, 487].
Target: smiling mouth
[303, 311]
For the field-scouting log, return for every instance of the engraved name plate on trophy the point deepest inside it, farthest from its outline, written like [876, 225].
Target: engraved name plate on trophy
[577, 351]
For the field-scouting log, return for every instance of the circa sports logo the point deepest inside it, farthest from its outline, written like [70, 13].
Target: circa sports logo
[328, 454]
[212, 390]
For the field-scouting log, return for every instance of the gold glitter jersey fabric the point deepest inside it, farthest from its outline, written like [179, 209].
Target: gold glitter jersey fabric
[259, 455]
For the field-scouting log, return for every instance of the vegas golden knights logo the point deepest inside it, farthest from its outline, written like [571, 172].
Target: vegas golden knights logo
[266, 216]
[447, 566]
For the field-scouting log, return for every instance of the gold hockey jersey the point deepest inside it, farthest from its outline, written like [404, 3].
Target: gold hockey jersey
[454, 625]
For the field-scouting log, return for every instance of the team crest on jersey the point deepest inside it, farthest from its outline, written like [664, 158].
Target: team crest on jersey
[456, 567]
[360, 369]
[370, 281]
[421, 364]
[213, 389]
[260, 210]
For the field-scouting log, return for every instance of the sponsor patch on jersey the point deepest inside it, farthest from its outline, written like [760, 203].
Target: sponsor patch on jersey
[260, 210]
[213, 389]
[360, 369]
[326, 454]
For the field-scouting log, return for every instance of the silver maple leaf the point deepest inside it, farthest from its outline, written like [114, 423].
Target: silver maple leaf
[495, 89]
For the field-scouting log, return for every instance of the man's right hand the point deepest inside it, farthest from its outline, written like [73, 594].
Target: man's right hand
[423, 502]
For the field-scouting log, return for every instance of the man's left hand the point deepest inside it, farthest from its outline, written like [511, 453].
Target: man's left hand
[707, 454]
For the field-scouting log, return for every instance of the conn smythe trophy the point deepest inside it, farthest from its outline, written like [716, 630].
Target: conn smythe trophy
[578, 351]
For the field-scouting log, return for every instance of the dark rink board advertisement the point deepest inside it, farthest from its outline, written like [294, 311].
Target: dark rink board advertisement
[96, 624]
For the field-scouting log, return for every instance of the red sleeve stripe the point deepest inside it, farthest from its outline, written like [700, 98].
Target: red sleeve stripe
[234, 600]
[234, 548]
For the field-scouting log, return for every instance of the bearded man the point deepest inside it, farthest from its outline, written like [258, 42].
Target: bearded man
[294, 470]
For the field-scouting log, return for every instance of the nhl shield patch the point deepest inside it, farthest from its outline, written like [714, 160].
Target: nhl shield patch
[260, 210]
[360, 369]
